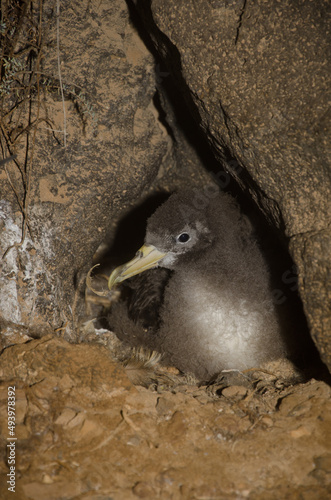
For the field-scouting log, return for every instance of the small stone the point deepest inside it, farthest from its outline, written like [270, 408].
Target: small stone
[65, 417]
[267, 421]
[143, 490]
[46, 479]
[299, 432]
[236, 392]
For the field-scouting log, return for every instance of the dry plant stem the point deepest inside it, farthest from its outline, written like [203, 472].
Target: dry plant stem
[26, 170]
[59, 70]
[89, 283]
[15, 191]
[19, 27]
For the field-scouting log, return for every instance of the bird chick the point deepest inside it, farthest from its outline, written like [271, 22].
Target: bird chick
[216, 309]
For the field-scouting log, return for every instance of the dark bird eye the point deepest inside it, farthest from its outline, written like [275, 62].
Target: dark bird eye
[183, 238]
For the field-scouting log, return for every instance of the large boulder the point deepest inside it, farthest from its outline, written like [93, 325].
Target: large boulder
[73, 189]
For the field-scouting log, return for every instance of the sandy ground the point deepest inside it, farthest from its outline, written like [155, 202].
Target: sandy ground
[84, 431]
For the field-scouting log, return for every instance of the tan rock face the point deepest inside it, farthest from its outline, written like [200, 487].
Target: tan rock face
[113, 150]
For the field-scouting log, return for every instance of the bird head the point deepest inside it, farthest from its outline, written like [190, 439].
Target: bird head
[176, 231]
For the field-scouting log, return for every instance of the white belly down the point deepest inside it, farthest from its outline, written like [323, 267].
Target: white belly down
[220, 331]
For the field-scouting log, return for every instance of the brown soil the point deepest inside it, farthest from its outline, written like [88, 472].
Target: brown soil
[85, 432]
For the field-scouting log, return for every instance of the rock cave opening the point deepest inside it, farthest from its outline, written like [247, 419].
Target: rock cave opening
[128, 235]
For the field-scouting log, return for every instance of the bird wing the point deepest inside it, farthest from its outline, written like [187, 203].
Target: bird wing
[146, 298]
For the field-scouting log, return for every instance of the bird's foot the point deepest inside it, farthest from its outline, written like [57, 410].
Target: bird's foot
[277, 374]
[227, 378]
[274, 375]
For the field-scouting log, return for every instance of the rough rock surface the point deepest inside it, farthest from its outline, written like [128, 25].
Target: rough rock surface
[256, 77]
[83, 431]
[115, 147]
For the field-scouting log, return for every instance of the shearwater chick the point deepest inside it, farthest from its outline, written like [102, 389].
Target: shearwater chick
[216, 311]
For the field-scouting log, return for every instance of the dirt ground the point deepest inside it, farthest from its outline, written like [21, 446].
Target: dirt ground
[84, 431]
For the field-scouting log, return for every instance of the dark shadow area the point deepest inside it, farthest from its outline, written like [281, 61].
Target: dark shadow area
[130, 232]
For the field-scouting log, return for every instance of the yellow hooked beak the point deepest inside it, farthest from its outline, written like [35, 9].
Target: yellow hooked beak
[147, 257]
